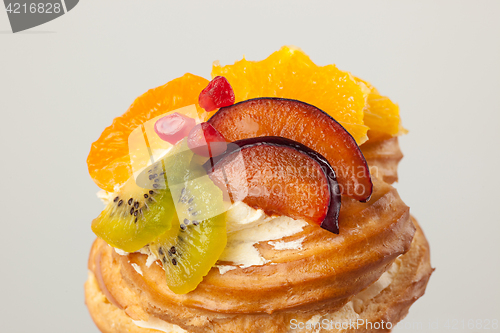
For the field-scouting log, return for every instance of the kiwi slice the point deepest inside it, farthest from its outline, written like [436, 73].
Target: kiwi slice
[198, 235]
[180, 165]
[171, 169]
[144, 209]
[135, 217]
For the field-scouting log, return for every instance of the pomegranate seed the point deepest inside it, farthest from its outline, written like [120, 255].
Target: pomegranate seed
[205, 140]
[217, 94]
[174, 127]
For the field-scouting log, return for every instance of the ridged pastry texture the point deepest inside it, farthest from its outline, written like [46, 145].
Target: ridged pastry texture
[383, 157]
[321, 279]
[390, 305]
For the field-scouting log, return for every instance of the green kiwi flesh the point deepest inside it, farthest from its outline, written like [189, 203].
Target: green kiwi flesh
[198, 235]
[143, 209]
[135, 217]
[174, 168]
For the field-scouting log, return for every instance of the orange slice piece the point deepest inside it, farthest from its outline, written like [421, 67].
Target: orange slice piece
[108, 160]
[290, 73]
[287, 73]
[381, 115]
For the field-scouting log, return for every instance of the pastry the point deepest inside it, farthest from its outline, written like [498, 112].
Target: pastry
[352, 263]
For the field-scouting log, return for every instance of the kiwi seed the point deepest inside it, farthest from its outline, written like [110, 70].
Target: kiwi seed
[135, 217]
[190, 261]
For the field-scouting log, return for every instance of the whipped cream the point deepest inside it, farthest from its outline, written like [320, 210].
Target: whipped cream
[376, 288]
[159, 325]
[225, 268]
[120, 251]
[105, 196]
[246, 227]
[137, 268]
[313, 322]
[292, 245]
[350, 311]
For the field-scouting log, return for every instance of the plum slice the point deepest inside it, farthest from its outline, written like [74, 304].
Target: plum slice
[280, 176]
[303, 123]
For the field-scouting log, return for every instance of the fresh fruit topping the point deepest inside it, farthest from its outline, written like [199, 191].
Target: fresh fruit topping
[108, 160]
[135, 217]
[205, 140]
[144, 209]
[290, 73]
[146, 147]
[282, 177]
[171, 169]
[217, 94]
[303, 123]
[381, 115]
[174, 127]
[197, 238]
[287, 73]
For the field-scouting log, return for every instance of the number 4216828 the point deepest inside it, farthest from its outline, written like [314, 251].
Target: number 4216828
[40, 7]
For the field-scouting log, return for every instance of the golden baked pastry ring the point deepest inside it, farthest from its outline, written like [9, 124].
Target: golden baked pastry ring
[320, 278]
[390, 305]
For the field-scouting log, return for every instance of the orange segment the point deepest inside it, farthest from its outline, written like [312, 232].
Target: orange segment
[381, 115]
[108, 160]
[290, 73]
[287, 73]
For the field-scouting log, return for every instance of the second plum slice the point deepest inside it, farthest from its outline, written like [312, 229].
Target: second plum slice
[306, 124]
[280, 176]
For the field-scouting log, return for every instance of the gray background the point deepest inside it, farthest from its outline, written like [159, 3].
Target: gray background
[63, 82]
